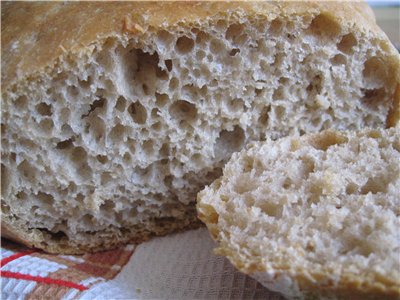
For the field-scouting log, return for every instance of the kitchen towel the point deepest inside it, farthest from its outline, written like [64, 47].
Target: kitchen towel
[177, 266]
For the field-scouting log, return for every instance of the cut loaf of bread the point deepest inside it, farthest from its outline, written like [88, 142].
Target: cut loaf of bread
[312, 216]
[115, 114]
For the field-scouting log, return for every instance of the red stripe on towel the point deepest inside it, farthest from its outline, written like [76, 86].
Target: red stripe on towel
[6, 260]
[46, 280]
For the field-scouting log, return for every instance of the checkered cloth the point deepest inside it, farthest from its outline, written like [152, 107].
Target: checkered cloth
[179, 266]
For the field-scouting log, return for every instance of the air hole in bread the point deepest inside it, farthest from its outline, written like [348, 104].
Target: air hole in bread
[372, 96]
[316, 122]
[148, 147]
[164, 150]
[21, 102]
[67, 144]
[45, 199]
[229, 142]
[78, 155]
[33, 209]
[168, 181]
[216, 47]
[264, 116]
[234, 51]
[270, 208]
[26, 170]
[161, 74]
[85, 83]
[87, 220]
[156, 127]
[102, 159]
[236, 105]
[145, 89]
[338, 59]
[168, 64]
[287, 183]
[120, 104]
[138, 112]
[326, 140]
[184, 44]
[279, 93]
[107, 206]
[96, 127]
[196, 158]
[55, 236]
[155, 113]
[117, 134]
[259, 92]
[3, 129]
[97, 104]
[347, 43]
[66, 130]
[161, 100]
[200, 54]
[374, 186]
[173, 83]
[275, 28]
[279, 112]
[182, 110]
[234, 31]
[165, 37]
[209, 213]
[244, 184]
[79, 197]
[221, 24]
[241, 40]
[21, 195]
[72, 91]
[106, 178]
[46, 126]
[131, 143]
[202, 37]
[375, 72]
[85, 172]
[44, 109]
[351, 188]
[127, 158]
[315, 86]
[13, 156]
[325, 26]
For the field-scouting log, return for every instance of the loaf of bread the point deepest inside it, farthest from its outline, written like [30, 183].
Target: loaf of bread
[115, 114]
[312, 216]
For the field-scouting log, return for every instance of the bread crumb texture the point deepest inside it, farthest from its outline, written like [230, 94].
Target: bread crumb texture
[317, 215]
[115, 115]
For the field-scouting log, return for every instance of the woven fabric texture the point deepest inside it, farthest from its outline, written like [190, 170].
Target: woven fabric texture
[178, 266]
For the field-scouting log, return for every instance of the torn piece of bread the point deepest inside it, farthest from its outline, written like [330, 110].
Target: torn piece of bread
[312, 216]
[114, 115]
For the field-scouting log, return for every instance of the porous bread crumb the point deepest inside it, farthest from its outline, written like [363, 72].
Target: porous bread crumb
[113, 143]
[314, 219]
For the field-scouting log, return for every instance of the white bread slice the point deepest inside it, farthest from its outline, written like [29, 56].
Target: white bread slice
[312, 216]
[114, 115]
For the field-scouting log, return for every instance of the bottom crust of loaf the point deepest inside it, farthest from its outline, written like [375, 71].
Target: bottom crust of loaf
[15, 229]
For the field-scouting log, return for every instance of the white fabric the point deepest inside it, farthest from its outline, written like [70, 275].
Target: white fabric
[179, 266]
[33, 266]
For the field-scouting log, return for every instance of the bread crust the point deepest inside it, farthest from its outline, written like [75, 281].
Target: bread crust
[37, 238]
[72, 30]
[27, 48]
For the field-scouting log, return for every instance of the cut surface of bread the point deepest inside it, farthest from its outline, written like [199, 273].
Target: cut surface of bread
[312, 216]
[114, 115]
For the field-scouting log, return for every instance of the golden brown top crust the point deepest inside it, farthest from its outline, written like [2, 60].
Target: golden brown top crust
[35, 34]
